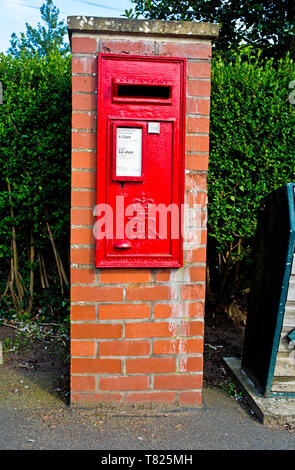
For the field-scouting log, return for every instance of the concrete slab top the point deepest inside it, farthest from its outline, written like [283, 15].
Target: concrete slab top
[270, 410]
[181, 29]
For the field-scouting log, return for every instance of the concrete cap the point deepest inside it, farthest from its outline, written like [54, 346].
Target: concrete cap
[181, 29]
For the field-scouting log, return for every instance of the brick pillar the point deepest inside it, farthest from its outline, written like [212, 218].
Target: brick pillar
[137, 334]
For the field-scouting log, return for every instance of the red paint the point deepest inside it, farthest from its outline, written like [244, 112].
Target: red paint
[134, 91]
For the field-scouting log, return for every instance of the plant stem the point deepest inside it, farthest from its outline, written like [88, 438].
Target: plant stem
[16, 277]
[56, 258]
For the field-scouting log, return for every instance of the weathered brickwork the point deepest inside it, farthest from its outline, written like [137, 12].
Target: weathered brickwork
[136, 334]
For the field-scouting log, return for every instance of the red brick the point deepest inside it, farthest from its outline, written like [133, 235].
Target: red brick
[198, 69]
[197, 106]
[196, 182]
[191, 364]
[190, 398]
[164, 310]
[201, 237]
[150, 365]
[83, 45]
[83, 179]
[84, 102]
[82, 276]
[198, 88]
[82, 348]
[82, 383]
[177, 346]
[124, 348]
[148, 330]
[127, 47]
[96, 331]
[83, 121]
[197, 162]
[194, 238]
[82, 217]
[123, 276]
[163, 275]
[148, 293]
[96, 366]
[191, 328]
[83, 199]
[124, 383]
[85, 83]
[197, 124]
[196, 309]
[197, 143]
[95, 397]
[203, 107]
[178, 310]
[204, 218]
[193, 292]
[123, 311]
[84, 140]
[83, 312]
[84, 65]
[83, 160]
[83, 256]
[156, 397]
[200, 198]
[82, 236]
[197, 274]
[96, 294]
[192, 50]
[177, 382]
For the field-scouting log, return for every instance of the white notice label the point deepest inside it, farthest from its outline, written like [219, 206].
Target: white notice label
[129, 151]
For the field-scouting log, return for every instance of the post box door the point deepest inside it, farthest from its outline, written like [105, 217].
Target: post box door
[140, 156]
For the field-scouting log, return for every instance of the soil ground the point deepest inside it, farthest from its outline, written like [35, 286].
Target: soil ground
[223, 338]
[37, 359]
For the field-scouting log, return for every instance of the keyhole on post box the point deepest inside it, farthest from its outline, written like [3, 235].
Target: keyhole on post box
[122, 184]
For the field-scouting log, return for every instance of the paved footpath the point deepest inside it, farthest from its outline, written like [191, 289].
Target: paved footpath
[33, 417]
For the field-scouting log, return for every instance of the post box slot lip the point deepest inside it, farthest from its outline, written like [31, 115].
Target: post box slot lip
[142, 92]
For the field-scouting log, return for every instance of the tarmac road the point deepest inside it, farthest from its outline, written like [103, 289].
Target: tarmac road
[32, 417]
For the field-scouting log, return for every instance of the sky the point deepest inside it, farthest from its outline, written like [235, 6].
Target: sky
[14, 14]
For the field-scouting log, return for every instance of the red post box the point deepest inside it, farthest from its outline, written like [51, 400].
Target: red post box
[140, 173]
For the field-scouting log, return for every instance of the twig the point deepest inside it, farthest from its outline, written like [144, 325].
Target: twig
[19, 286]
[44, 270]
[62, 270]
[32, 259]
[40, 270]
[6, 288]
[56, 257]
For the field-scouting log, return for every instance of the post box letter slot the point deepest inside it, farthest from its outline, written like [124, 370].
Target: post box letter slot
[144, 91]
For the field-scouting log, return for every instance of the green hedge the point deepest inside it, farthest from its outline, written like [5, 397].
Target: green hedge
[252, 146]
[252, 152]
[35, 124]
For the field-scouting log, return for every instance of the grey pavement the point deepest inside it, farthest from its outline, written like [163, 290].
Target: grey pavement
[33, 417]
